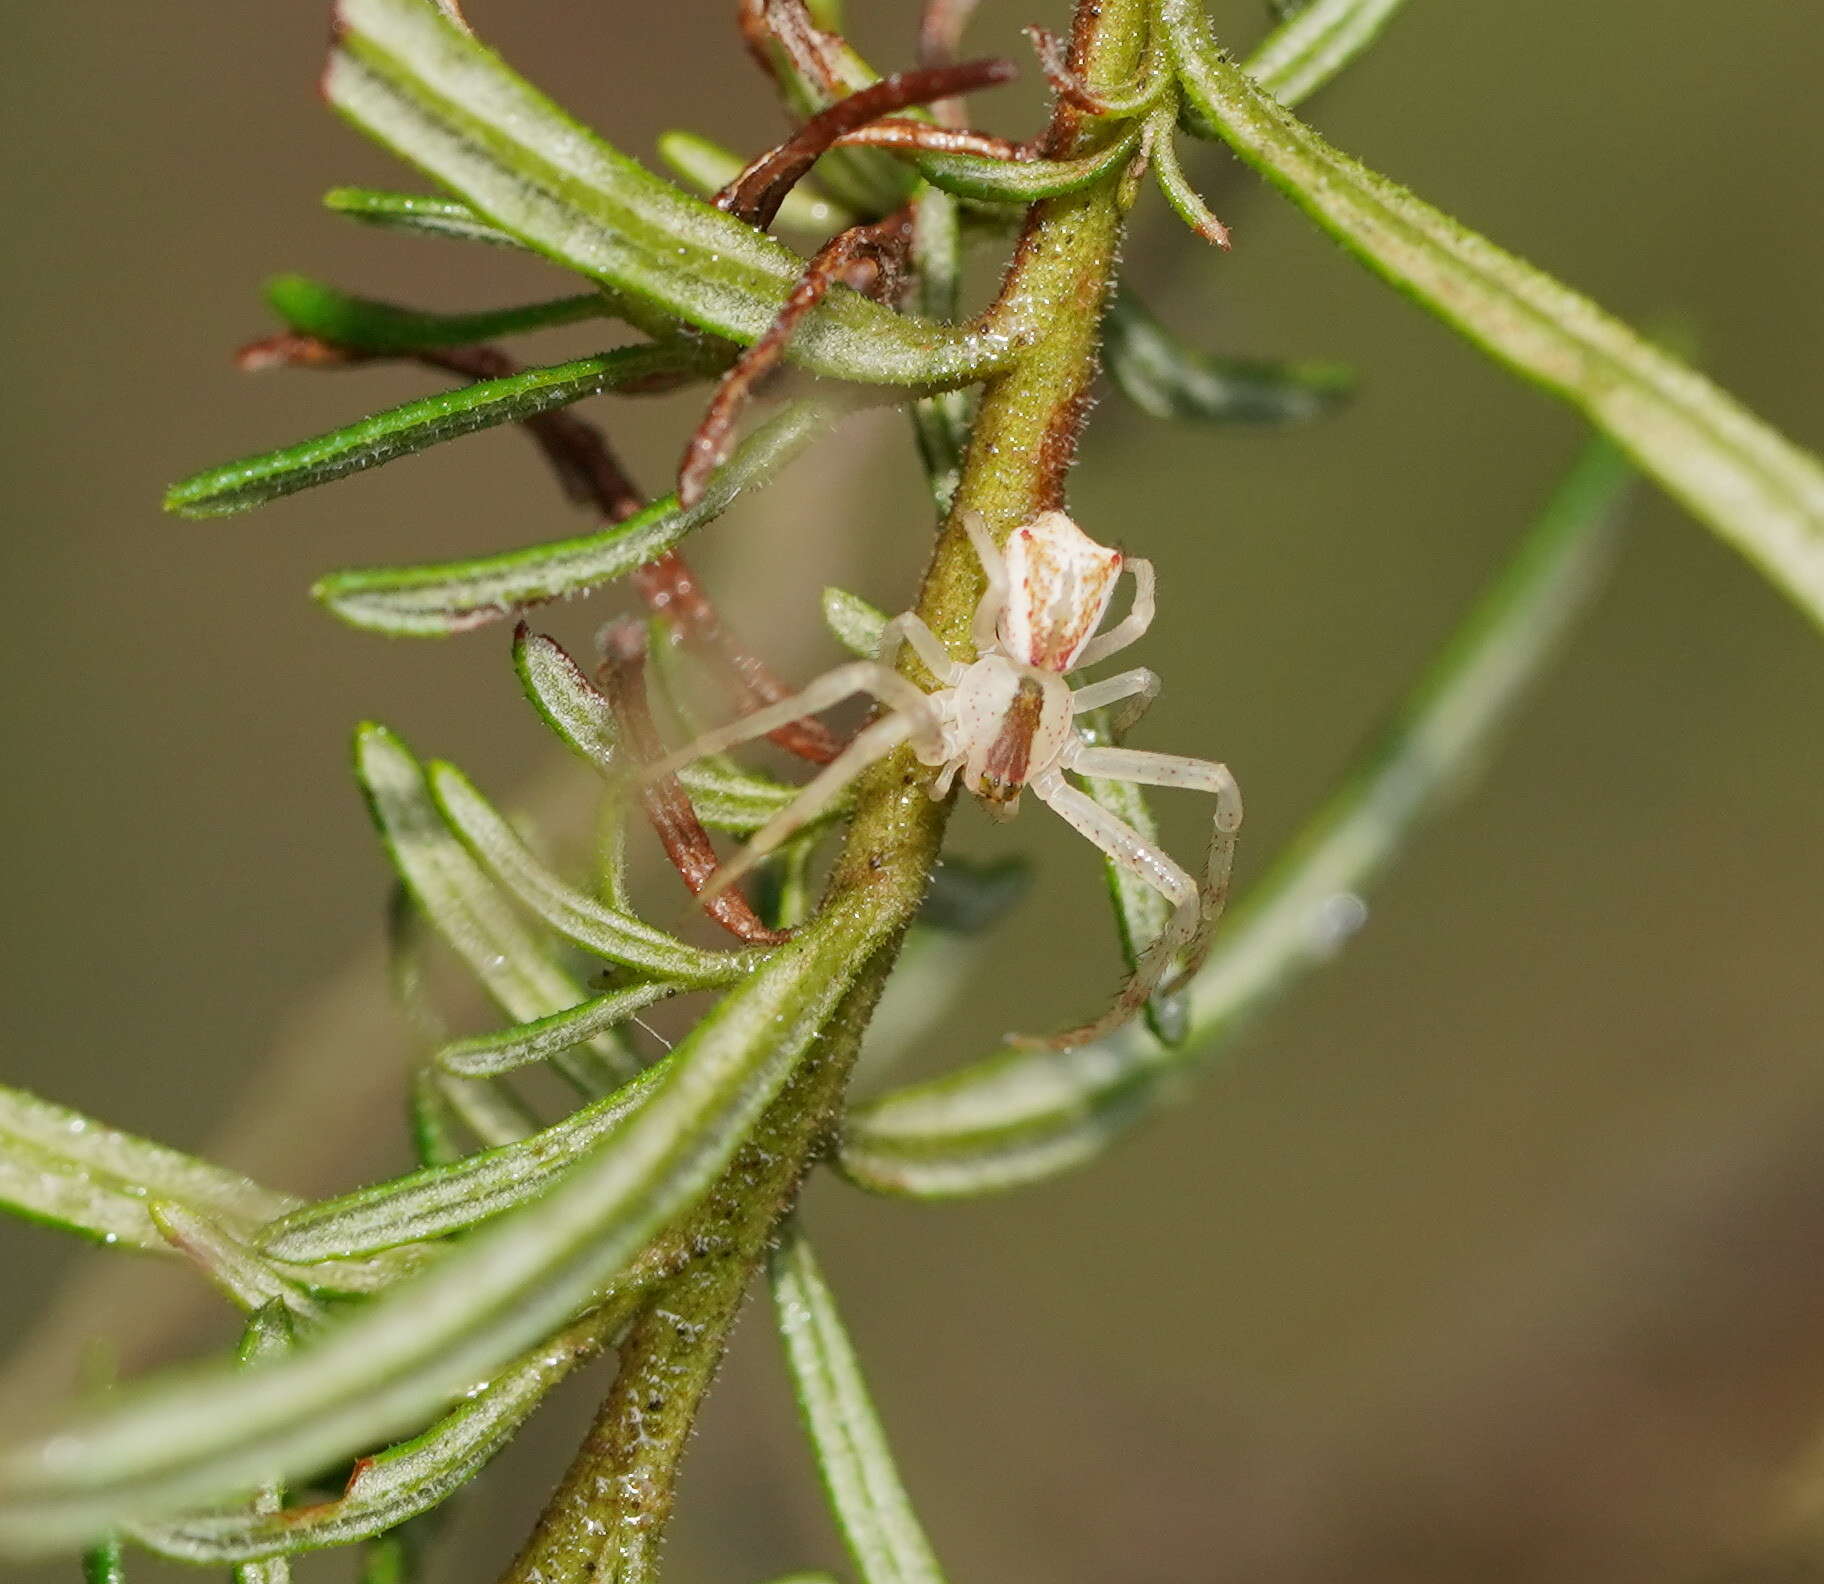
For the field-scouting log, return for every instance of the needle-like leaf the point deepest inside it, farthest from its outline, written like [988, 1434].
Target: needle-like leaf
[463, 906]
[1310, 48]
[447, 219]
[1024, 181]
[863, 1485]
[857, 625]
[314, 308]
[1021, 1116]
[407, 77]
[724, 799]
[180, 1441]
[417, 425]
[1752, 486]
[1162, 376]
[439, 1200]
[60, 1166]
[619, 937]
[390, 1486]
[248, 1279]
[545, 1038]
[454, 596]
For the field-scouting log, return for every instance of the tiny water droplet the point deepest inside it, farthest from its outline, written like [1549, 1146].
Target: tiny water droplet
[1335, 919]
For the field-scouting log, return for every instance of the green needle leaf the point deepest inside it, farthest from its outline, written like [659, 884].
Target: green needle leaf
[724, 799]
[103, 1564]
[1167, 379]
[439, 1200]
[596, 927]
[856, 624]
[447, 219]
[61, 1167]
[871, 1506]
[311, 307]
[454, 596]
[1024, 181]
[249, 1280]
[191, 1438]
[1754, 488]
[1305, 52]
[416, 426]
[1021, 1116]
[437, 97]
[391, 1486]
[464, 908]
[269, 1334]
[548, 1037]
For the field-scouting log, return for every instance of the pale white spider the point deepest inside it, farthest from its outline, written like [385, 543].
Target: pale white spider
[1007, 721]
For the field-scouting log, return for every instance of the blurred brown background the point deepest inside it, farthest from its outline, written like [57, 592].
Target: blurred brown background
[1493, 1254]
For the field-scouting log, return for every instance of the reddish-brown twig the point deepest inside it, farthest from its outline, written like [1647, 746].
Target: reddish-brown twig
[670, 589]
[668, 806]
[788, 24]
[590, 475]
[940, 36]
[755, 195]
[879, 249]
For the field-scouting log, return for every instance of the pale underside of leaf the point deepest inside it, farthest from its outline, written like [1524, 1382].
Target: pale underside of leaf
[436, 600]
[171, 1444]
[438, 98]
[724, 800]
[463, 906]
[1303, 54]
[391, 1486]
[866, 1495]
[443, 1199]
[72, 1142]
[507, 1050]
[619, 937]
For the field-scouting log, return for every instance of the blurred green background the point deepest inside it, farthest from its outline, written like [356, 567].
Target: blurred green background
[1492, 1254]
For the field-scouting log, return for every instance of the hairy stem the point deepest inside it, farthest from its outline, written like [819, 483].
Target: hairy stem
[607, 1519]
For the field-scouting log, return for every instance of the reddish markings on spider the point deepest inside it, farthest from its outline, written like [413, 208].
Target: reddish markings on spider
[1008, 720]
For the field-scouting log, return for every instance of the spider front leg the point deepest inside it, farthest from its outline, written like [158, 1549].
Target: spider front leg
[1132, 627]
[994, 569]
[913, 718]
[910, 628]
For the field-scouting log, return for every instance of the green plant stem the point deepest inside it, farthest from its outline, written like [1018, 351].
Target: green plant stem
[607, 1519]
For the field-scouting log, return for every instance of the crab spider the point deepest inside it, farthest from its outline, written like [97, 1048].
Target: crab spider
[1007, 721]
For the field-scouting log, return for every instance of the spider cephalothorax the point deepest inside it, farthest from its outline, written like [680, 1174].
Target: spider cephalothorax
[1008, 721]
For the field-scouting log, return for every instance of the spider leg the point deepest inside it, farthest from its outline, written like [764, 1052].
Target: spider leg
[994, 568]
[1127, 848]
[1131, 626]
[910, 628]
[859, 676]
[1196, 775]
[1138, 688]
[872, 745]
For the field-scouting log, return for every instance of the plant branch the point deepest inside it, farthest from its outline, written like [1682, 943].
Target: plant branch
[607, 1519]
